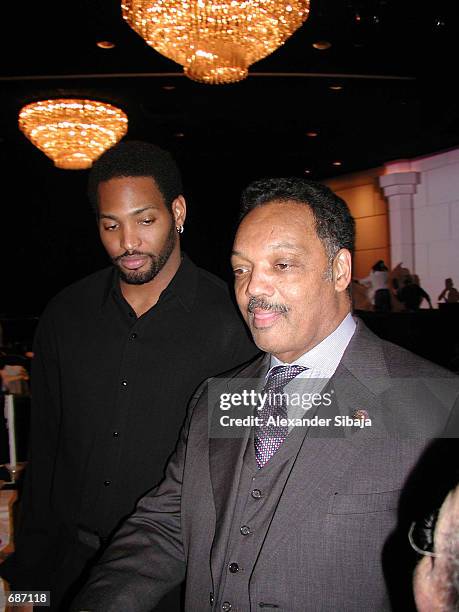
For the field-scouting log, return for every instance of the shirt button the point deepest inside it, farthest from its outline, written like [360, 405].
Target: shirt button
[226, 606]
[133, 336]
[233, 568]
[245, 530]
[256, 494]
[211, 599]
[124, 383]
[115, 434]
[107, 483]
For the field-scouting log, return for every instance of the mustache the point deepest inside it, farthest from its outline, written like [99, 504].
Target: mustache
[129, 254]
[257, 302]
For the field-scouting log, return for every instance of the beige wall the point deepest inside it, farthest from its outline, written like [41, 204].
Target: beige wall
[368, 206]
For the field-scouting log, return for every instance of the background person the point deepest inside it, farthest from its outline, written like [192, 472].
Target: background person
[412, 294]
[377, 281]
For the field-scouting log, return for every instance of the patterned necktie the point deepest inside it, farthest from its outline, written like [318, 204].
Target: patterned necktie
[269, 437]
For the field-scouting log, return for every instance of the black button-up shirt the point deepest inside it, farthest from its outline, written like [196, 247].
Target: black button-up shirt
[110, 392]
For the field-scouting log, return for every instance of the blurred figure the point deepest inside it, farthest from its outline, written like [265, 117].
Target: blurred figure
[412, 294]
[14, 376]
[377, 281]
[15, 379]
[449, 294]
[360, 299]
[436, 579]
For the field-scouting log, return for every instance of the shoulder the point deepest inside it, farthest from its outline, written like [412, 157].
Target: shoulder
[369, 350]
[214, 298]
[210, 285]
[402, 362]
[83, 295]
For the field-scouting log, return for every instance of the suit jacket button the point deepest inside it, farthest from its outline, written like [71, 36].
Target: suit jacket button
[226, 606]
[256, 493]
[233, 568]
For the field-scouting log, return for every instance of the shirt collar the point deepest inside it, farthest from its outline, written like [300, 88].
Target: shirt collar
[183, 285]
[324, 358]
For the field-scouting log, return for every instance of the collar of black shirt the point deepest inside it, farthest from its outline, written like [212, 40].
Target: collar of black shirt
[183, 285]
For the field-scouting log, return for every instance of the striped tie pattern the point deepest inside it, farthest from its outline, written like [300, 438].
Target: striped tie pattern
[269, 437]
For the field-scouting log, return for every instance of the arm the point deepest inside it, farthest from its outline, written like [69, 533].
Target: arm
[442, 294]
[146, 558]
[426, 296]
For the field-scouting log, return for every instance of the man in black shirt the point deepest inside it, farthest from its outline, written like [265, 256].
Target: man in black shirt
[117, 356]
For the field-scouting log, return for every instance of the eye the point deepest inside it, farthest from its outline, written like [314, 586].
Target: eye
[147, 221]
[239, 271]
[110, 228]
[282, 265]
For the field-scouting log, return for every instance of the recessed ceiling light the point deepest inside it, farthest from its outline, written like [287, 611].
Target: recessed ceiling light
[179, 135]
[336, 87]
[105, 44]
[337, 163]
[312, 134]
[322, 45]
[168, 87]
[307, 171]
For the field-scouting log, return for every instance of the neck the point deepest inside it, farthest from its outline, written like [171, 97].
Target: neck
[142, 297]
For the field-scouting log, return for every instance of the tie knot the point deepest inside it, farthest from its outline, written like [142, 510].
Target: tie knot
[281, 376]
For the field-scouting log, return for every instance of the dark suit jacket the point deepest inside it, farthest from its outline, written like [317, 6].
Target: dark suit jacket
[333, 541]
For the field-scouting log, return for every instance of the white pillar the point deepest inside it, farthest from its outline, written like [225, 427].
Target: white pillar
[399, 189]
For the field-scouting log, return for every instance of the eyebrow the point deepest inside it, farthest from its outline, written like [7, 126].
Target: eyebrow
[273, 247]
[133, 213]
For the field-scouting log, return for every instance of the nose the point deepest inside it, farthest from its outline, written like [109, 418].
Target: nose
[130, 239]
[259, 284]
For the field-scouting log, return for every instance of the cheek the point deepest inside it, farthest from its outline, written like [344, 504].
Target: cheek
[108, 242]
[241, 298]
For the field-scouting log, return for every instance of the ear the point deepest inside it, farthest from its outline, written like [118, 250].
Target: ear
[179, 211]
[342, 270]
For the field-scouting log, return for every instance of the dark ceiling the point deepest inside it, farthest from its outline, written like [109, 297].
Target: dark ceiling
[393, 59]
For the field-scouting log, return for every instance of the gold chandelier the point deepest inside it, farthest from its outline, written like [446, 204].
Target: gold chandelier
[215, 41]
[73, 133]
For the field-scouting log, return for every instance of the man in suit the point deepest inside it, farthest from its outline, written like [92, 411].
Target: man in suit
[306, 515]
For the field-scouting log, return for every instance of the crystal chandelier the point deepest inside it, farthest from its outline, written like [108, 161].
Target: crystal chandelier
[215, 41]
[73, 133]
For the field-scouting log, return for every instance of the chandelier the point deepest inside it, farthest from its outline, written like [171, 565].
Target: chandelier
[215, 41]
[73, 133]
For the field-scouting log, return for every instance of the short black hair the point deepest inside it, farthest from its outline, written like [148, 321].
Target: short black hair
[334, 223]
[136, 158]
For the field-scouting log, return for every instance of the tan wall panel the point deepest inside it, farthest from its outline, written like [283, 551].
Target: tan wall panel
[368, 206]
[360, 200]
[364, 260]
[371, 233]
